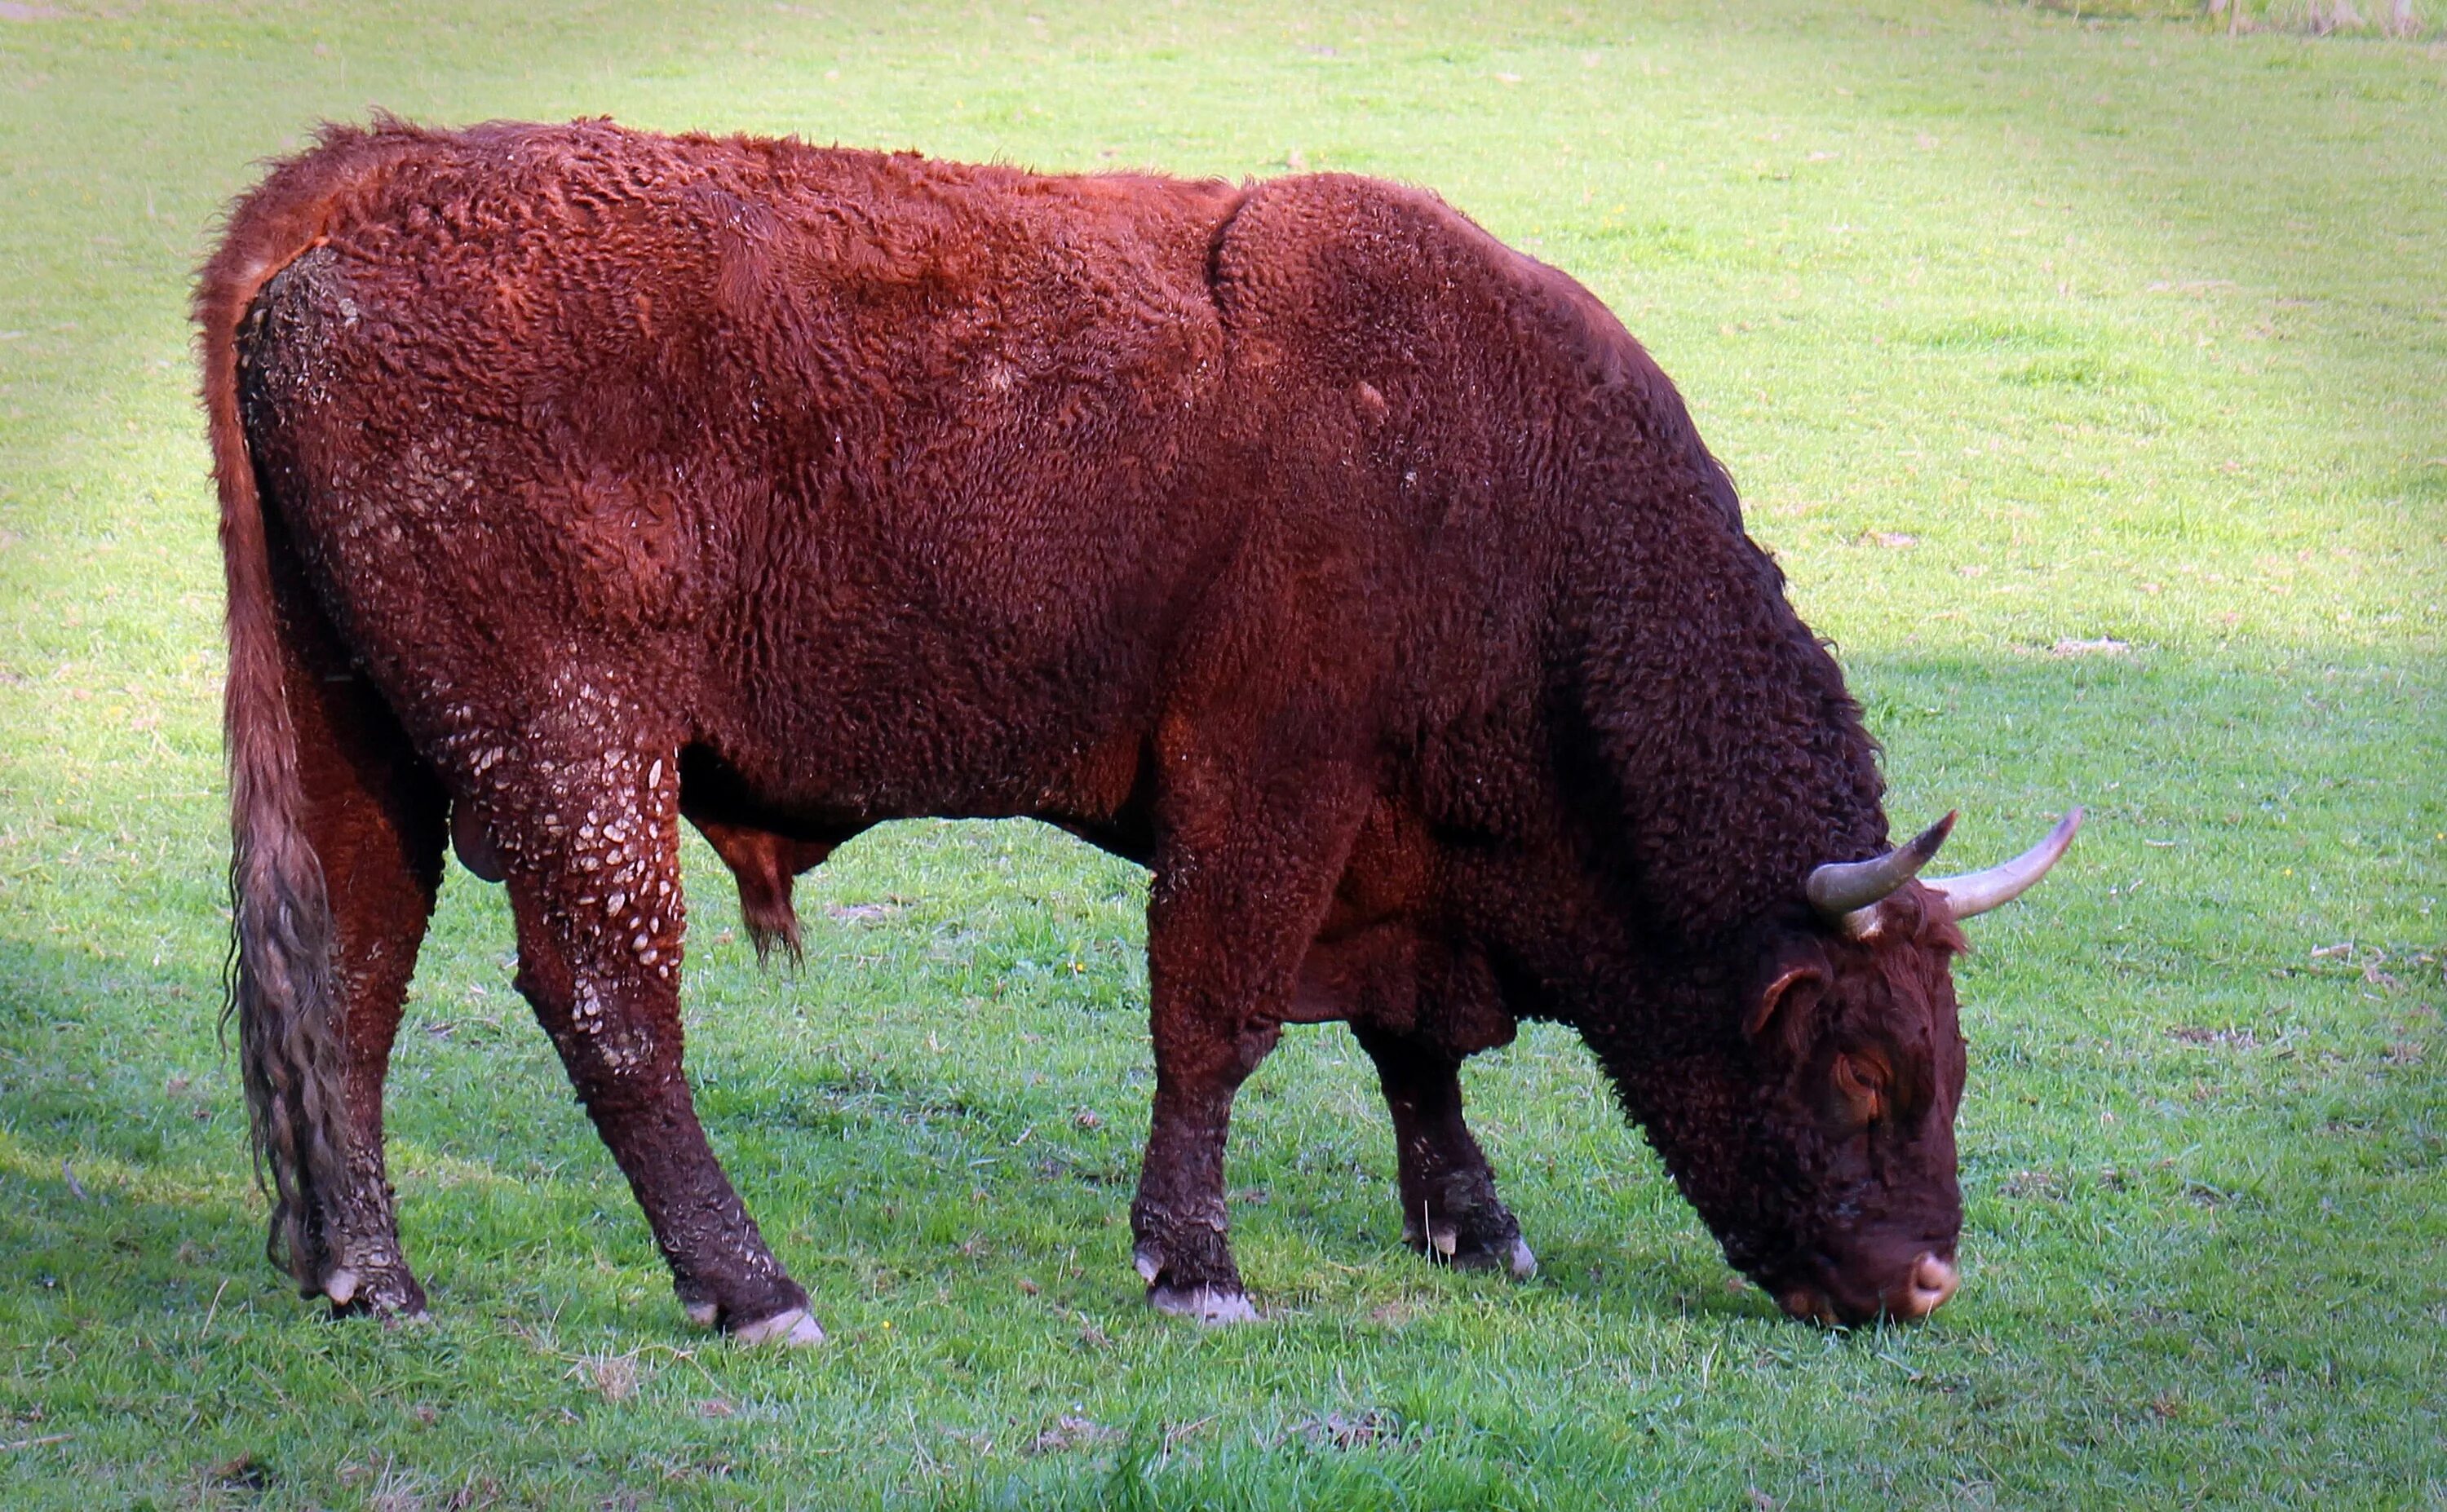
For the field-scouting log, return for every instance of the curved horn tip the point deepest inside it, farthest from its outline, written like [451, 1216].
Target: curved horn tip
[1978, 892]
[1923, 846]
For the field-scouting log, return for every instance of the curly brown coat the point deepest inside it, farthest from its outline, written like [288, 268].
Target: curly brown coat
[1360, 577]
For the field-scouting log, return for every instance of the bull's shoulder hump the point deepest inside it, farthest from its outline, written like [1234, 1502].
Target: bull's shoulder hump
[1340, 255]
[1291, 235]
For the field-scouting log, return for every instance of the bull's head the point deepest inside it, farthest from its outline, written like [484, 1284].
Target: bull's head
[1836, 1191]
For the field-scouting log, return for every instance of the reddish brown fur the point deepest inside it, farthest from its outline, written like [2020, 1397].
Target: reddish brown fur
[1362, 578]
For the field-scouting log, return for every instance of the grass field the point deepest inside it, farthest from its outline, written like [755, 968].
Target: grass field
[2090, 382]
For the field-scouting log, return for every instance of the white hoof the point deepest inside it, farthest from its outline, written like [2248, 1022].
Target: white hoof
[341, 1286]
[793, 1327]
[1525, 1264]
[1204, 1303]
[701, 1314]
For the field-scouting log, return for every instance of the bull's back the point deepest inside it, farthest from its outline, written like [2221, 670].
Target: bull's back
[919, 444]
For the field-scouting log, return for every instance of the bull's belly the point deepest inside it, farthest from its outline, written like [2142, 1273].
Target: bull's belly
[824, 764]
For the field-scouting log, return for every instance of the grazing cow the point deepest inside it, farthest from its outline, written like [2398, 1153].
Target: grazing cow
[1360, 578]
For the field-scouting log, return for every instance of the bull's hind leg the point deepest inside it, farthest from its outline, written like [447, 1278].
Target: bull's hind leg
[1243, 871]
[380, 844]
[374, 816]
[1450, 1209]
[591, 846]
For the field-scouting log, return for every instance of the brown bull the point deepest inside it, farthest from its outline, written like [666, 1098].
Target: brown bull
[1360, 578]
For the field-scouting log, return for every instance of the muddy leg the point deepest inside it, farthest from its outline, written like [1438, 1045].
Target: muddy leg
[374, 817]
[1450, 1209]
[1227, 924]
[383, 877]
[1179, 1222]
[593, 859]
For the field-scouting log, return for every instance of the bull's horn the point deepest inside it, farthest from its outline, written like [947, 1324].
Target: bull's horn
[1840, 889]
[1979, 892]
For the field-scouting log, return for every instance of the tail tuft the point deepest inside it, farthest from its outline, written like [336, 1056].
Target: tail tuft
[280, 993]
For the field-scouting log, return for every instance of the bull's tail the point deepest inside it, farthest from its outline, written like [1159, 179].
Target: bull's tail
[280, 977]
[280, 980]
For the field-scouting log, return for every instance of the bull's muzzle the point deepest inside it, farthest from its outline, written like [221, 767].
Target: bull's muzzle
[1923, 1289]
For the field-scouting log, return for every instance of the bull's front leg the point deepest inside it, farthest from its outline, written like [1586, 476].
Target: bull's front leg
[592, 862]
[1450, 1209]
[1241, 883]
[1178, 1222]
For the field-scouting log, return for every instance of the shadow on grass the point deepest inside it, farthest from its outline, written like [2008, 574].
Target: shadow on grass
[2173, 958]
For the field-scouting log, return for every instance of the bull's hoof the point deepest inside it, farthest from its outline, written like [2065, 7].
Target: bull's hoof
[791, 1327]
[1190, 1273]
[1206, 1304]
[1514, 1257]
[1483, 1242]
[381, 1291]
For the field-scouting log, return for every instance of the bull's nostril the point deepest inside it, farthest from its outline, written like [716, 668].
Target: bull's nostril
[1933, 1280]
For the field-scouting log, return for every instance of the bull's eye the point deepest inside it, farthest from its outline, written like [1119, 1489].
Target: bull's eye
[1861, 1082]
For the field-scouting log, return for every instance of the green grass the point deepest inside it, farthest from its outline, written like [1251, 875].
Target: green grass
[2090, 382]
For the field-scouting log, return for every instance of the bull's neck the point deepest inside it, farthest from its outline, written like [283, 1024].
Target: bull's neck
[1735, 758]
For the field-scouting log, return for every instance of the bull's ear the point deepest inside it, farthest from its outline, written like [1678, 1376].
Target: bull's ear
[1789, 978]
